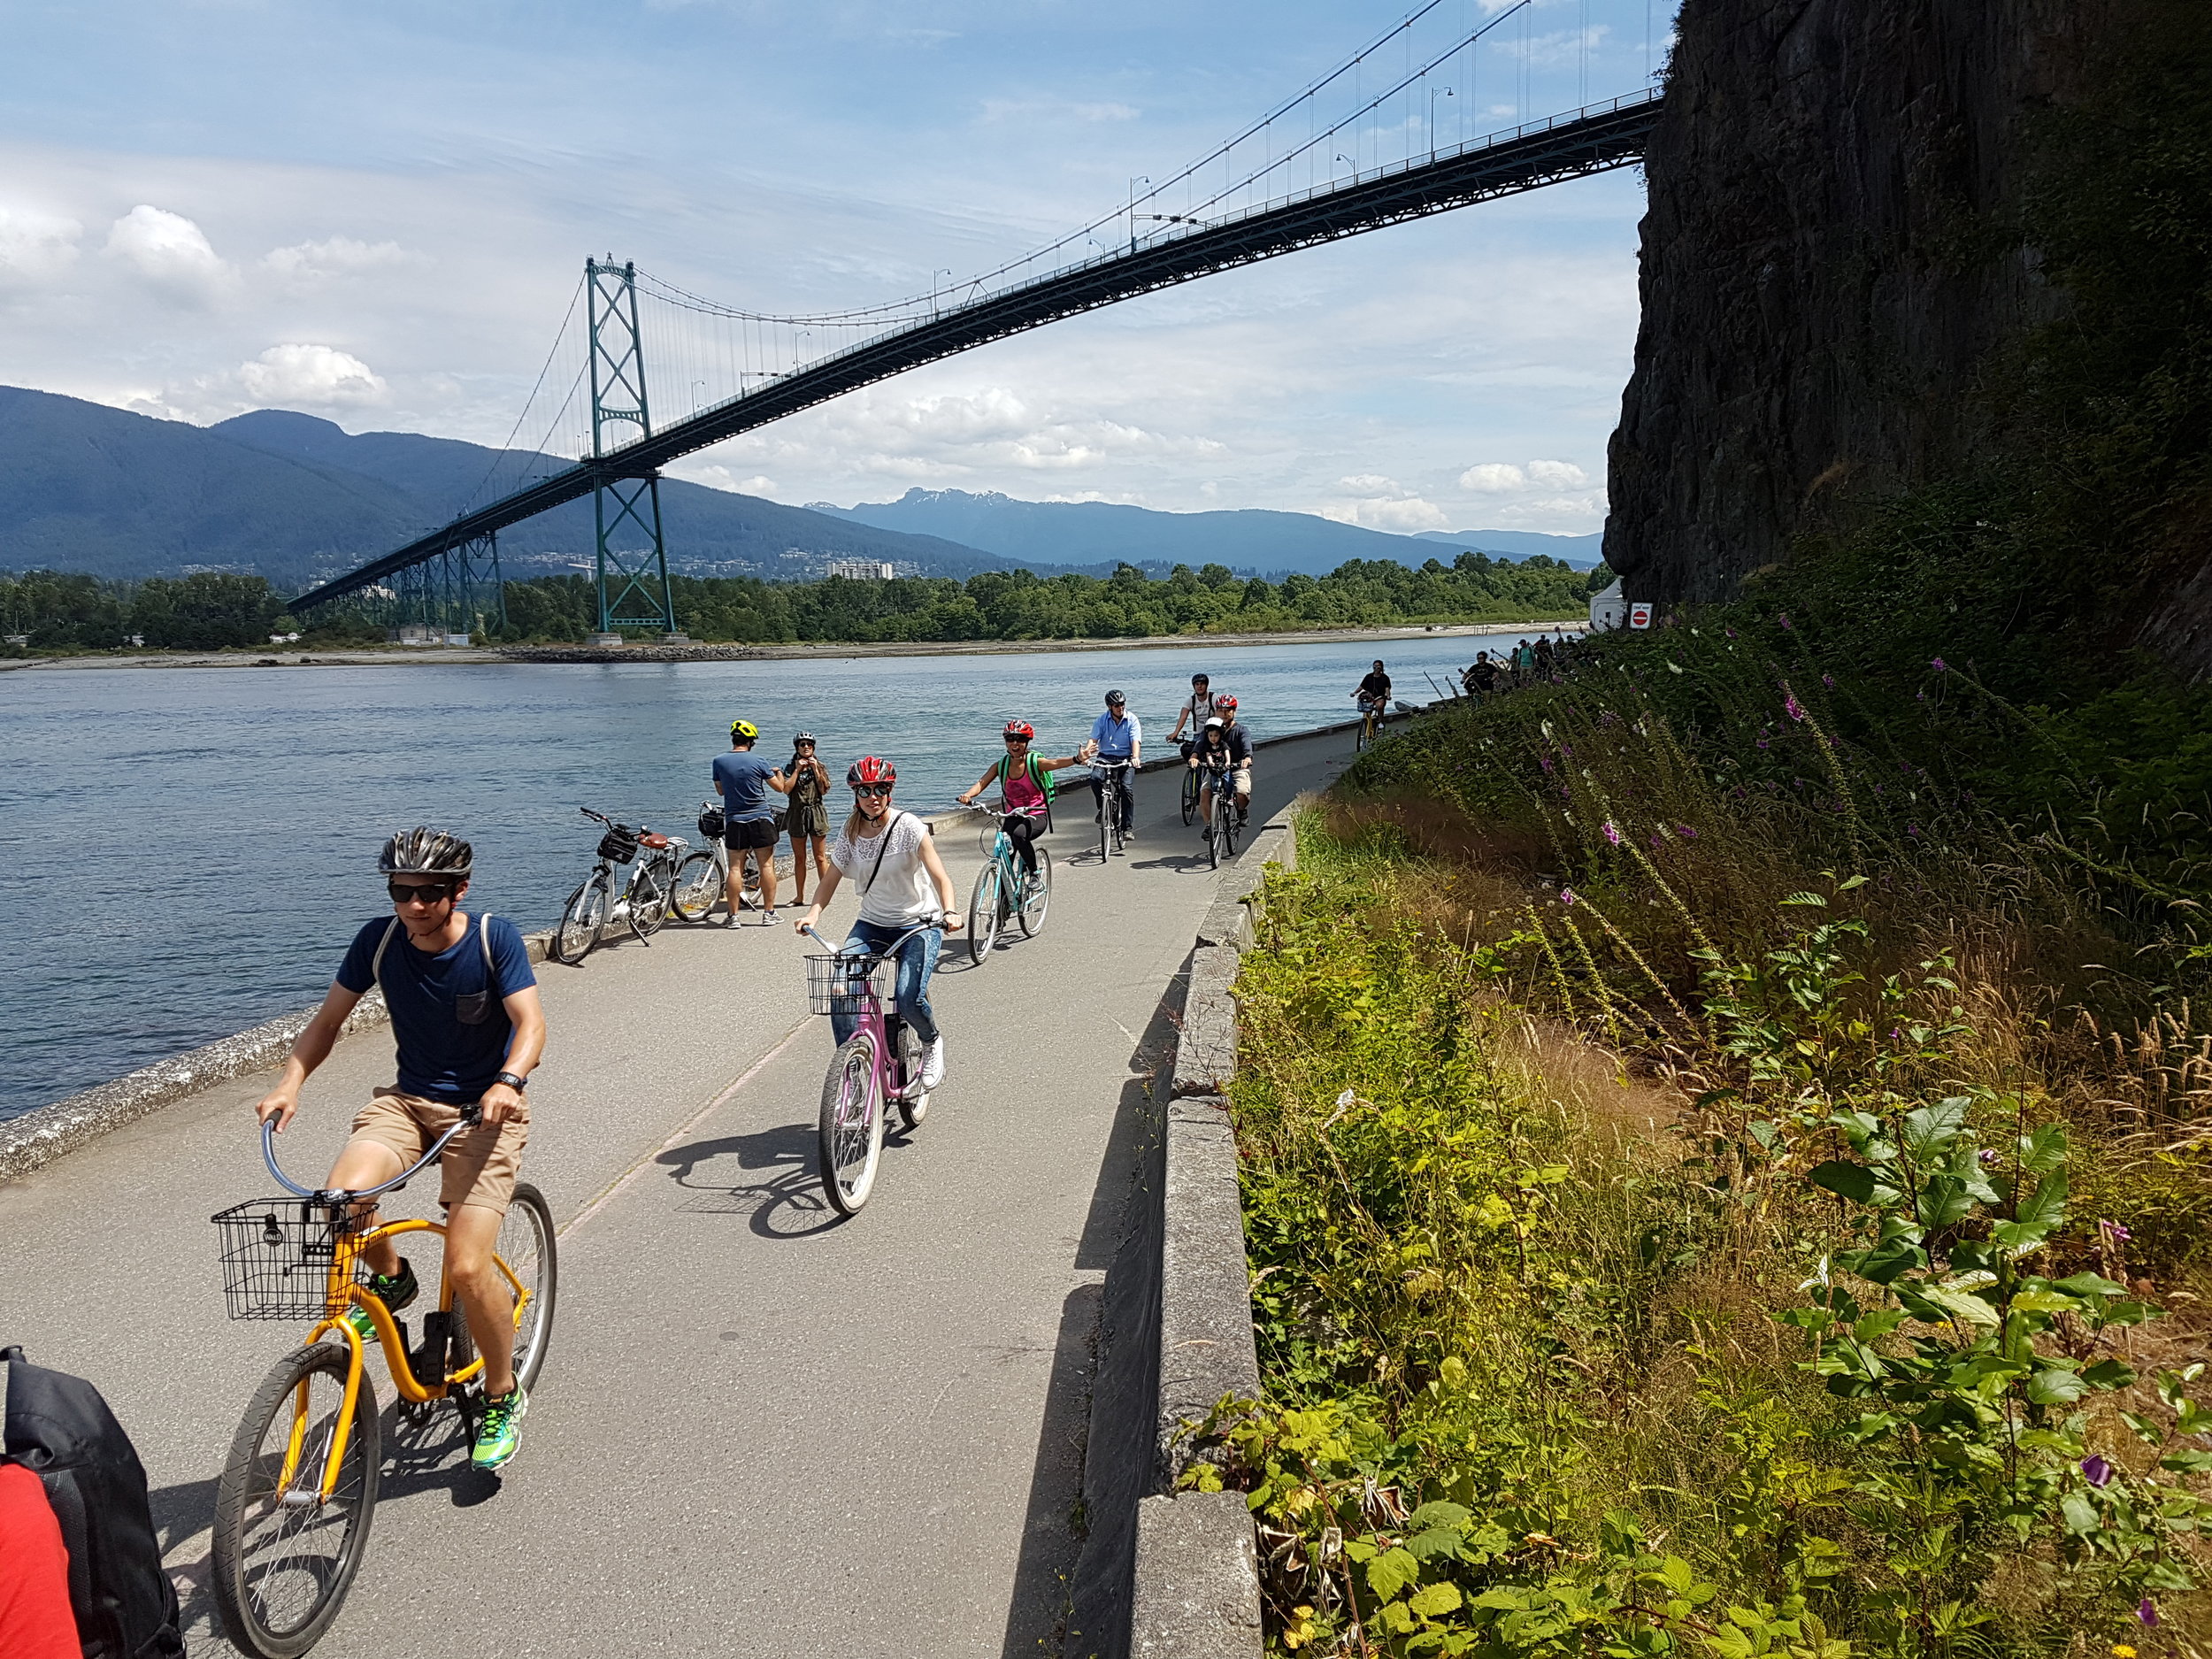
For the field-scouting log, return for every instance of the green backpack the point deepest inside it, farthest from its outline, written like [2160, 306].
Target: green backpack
[1038, 775]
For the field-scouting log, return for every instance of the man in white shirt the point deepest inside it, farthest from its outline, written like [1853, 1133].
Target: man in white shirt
[1194, 712]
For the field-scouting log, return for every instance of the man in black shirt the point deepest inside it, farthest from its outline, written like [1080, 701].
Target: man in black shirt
[1374, 689]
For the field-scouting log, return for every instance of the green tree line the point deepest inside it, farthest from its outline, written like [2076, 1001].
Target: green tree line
[61, 611]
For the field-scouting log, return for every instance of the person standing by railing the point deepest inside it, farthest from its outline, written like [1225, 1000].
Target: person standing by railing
[809, 821]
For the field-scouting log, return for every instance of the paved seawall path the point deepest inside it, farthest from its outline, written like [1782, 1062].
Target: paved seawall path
[760, 1431]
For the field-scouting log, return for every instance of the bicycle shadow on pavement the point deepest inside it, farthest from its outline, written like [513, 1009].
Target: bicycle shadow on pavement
[431, 1456]
[785, 1203]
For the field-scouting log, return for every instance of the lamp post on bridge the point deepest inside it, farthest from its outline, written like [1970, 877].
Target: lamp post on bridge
[1435, 93]
[1142, 177]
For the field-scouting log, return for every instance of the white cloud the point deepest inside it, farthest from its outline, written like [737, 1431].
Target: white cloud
[1396, 513]
[285, 376]
[169, 250]
[1557, 474]
[309, 263]
[1371, 484]
[34, 246]
[1492, 477]
[1053, 109]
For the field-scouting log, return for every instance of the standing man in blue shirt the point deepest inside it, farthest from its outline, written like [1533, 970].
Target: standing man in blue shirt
[469, 1030]
[743, 780]
[1116, 735]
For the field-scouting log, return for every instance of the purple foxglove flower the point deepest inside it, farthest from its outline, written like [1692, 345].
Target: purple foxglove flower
[1612, 835]
[2147, 1613]
[2096, 1472]
[1544, 761]
[1792, 707]
[1686, 831]
[1987, 1155]
[1566, 895]
[1731, 632]
[1783, 619]
[1828, 681]
[1940, 665]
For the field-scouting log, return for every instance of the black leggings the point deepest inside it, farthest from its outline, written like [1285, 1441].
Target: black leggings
[1021, 830]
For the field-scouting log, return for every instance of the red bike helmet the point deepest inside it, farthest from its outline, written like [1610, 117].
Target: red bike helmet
[1226, 704]
[869, 769]
[1021, 729]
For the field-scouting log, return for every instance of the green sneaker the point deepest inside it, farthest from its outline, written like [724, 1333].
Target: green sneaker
[500, 1434]
[396, 1294]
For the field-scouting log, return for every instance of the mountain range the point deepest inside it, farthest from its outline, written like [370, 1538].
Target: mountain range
[1090, 533]
[296, 498]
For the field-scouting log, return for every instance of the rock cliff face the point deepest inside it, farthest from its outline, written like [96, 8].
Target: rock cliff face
[1824, 277]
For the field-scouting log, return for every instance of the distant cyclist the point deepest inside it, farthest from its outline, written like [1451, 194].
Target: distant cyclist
[1222, 755]
[1374, 690]
[1025, 782]
[743, 780]
[889, 856]
[1482, 677]
[1200, 704]
[469, 1029]
[809, 823]
[1116, 735]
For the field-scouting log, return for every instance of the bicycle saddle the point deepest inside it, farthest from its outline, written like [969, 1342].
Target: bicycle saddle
[653, 839]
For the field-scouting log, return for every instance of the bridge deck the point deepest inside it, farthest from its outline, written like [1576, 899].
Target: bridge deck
[758, 1431]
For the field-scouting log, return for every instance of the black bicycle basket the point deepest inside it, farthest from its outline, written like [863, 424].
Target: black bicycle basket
[838, 985]
[618, 845]
[276, 1256]
[711, 824]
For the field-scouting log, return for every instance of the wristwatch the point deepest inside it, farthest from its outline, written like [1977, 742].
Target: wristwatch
[513, 1082]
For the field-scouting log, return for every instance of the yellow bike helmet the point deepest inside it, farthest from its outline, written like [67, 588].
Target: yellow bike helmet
[743, 728]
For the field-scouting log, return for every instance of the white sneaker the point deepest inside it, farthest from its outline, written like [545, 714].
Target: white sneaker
[933, 1065]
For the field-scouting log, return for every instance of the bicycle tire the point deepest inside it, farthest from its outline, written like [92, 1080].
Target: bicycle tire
[983, 914]
[1190, 795]
[698, 888]
[243, 1571]
[1213, 832]
[1107, 806]
[851, 1123]
[647, 897]
[1032, 913]
[583, 919]
[913, 1108]
[1229, 817]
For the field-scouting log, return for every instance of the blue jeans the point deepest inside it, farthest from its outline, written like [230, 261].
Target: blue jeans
[917, 960]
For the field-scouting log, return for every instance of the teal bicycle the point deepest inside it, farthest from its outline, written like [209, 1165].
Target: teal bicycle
[1003, 892]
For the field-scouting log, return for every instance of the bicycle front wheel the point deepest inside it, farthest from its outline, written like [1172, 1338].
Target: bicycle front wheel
[1190, 796]
[913, 1098]
[581, 921]
[698, 886]
[852, 1122]
[1032, 914]
[284, 1555]
[983, 915]
[1228, 811]
[1213, 833]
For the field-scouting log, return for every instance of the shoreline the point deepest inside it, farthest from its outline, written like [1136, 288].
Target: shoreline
[494, 657]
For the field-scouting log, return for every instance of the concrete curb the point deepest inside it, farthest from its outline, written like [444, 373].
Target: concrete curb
[1195, 1583]
[47, 1133]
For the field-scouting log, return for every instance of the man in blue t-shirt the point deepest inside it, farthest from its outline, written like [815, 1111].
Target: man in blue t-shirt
[743, 780]
[469, 1028]
[1116, 735]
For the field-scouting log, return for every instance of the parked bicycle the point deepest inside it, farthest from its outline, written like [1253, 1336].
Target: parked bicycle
[1114, 801]
[703, 877]
[879, 1063]
[645, 898]
[293, 1506]
[1003, 890]
[1221, 820]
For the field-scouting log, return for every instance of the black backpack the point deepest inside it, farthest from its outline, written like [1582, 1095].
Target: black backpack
[57, 1427]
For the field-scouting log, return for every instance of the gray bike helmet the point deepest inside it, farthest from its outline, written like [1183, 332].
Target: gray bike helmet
[425, 852]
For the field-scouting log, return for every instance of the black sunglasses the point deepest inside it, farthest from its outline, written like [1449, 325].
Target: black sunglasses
[866, 789]
[430, 893]
[1017, 740]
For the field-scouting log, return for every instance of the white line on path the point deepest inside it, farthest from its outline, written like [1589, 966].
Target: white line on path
[607, 1194]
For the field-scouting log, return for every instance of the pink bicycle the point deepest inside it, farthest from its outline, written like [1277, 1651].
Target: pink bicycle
[881, 1061]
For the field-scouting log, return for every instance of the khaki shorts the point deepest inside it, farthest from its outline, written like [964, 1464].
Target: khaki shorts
[479, 1165]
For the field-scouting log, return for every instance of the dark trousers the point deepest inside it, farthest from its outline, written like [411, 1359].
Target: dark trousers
[1128, 795]
[1022, 830]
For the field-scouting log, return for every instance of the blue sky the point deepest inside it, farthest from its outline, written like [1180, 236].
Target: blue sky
[378, 214]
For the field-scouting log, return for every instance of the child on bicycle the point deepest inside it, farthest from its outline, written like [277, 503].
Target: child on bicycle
[469, 1030]
[1024, 792]
[1222, 754]
[889, 854]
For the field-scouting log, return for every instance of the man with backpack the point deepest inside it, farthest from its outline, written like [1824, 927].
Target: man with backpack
[1026, 790]
[80, 1573]
[470, 1030]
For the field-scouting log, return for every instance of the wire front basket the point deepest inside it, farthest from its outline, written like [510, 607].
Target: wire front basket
[838, 985]
[277, 1254]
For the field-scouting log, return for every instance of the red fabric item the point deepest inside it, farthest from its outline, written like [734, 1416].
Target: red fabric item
[35, 1622]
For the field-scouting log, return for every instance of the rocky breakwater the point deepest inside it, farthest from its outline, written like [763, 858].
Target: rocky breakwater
[1827, 269]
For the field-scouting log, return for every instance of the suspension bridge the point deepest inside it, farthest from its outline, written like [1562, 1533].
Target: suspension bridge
[1369, 156]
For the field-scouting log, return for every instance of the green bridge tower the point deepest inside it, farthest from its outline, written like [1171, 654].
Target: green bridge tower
[632, 558]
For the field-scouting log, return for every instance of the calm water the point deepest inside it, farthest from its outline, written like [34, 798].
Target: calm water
[186, 851]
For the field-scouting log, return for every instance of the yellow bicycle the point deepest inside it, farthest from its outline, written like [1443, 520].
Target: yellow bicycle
[293, 1507]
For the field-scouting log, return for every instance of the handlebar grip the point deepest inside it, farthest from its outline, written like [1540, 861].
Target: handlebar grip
[472, 1114]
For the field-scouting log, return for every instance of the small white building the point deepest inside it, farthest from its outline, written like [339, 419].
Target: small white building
[1609, 610]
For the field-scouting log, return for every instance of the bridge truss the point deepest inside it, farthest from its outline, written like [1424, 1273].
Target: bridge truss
[1595, 139]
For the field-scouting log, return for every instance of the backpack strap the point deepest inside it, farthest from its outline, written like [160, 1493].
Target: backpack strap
[376, 963]
[483, 937]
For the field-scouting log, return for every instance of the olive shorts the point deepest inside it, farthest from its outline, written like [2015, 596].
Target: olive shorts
[479, 1165]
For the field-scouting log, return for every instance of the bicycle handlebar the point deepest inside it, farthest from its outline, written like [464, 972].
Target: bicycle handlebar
[471, 1115]
[888, 951]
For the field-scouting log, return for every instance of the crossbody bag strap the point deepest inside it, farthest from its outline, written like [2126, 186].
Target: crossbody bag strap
[491, 968]
[376, 963]
[882, 846]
